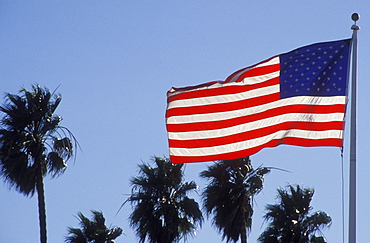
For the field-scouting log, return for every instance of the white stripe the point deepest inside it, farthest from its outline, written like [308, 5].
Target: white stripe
[219, 99]
[246, 81]
[273, 61]
[219, 116]
[260, 79]
[271, 121]
[234, 147]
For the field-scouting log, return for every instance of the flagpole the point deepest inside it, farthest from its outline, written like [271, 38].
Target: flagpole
[353, 136]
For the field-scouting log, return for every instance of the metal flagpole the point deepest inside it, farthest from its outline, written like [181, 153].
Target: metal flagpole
[353, 136]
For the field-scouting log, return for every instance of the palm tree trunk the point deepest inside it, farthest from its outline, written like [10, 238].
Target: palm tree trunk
[243, 232]
[243, 229]
[42, 206]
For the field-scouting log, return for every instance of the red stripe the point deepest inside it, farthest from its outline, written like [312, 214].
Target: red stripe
[256, 71]
[247, 152]
[248, 135]
[240, 74]
[193, 92]
[200, 126]
[230, 106]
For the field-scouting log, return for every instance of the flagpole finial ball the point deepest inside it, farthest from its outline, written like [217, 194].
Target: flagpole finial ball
[355, 16]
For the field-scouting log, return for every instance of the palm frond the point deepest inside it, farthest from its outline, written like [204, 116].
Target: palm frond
[162, 212]
[93, 230]
[289, 220]
[229, 194]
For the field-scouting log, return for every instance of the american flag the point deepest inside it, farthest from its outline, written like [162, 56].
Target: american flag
[297, 98]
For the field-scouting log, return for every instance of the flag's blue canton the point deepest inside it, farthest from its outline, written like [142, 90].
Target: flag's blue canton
[315, 70]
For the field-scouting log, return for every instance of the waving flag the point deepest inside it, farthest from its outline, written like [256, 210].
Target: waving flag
[295, 98]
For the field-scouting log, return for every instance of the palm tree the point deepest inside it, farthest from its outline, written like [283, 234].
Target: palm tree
[163, 213]
[93, 231]
[229, 196]
[33, 144]
[289, 220]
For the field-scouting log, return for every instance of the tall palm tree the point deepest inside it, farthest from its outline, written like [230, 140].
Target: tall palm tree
[33, 144]
[163, 213]
[229, 196]
[290, 221]
[93, 231]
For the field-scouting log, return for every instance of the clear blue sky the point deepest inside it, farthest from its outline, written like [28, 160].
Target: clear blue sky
[114, 62]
